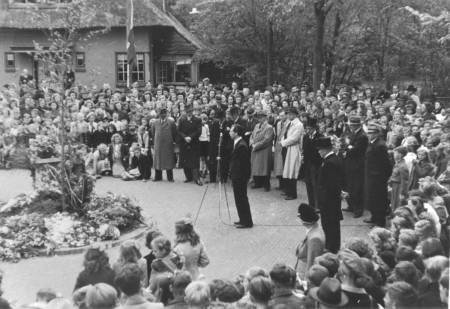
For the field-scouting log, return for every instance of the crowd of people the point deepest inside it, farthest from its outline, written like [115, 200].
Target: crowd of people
[387, 152]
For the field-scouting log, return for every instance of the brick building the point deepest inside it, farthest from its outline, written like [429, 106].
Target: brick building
[164, 47]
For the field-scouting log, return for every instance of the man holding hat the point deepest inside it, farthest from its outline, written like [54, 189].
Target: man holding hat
[291, 151]
[189, 131]
[377, 171]
[164, 132]
[354, 166]
[314, 242]
[312, 160]
[261, 152]
[329, 188]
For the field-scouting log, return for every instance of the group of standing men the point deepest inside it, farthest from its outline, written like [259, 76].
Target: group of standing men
[361, 172]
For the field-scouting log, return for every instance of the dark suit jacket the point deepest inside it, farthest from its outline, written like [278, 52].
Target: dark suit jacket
[239, 162]
[214, 137]
[310, 153]
[377, 171]
[329, 187]
[356, 155]
[124, 155]
[190, 152]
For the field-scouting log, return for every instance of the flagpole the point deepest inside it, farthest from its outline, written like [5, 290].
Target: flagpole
[131, 51]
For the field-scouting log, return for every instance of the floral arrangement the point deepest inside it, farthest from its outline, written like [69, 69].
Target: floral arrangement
[43, 146]
[34, 221]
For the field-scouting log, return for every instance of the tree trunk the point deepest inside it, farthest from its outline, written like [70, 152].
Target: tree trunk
[329, 63]
[270, 54]
[320, 14]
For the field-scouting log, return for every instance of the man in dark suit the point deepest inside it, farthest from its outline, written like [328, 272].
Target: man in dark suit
[312, 160]
[354, 166]
[331, 174]
[189, 131]
[220, 134]
[240, 174]
[378, 169]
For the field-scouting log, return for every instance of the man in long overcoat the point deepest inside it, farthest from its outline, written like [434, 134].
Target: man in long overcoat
[292, 145]
[331, 174]
[189, 131]
[164, 132]
[354, 167]
[378, 169]
[261, 143]
[278, 156]
[312, 160]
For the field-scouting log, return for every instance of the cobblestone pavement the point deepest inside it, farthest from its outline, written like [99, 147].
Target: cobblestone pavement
[273, 238]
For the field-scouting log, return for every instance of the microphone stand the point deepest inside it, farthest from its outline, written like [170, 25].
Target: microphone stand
[219, 176]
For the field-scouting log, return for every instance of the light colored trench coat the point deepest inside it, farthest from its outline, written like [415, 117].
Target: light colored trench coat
[261, 142]
[293, 142]
[278, 157]
[164, 134]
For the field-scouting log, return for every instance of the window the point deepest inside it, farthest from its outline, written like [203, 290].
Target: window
[138, 74]
[10, 62]
[174, 71]
[80, 61]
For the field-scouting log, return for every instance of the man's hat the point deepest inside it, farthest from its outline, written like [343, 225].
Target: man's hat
[324, 143]
[330, 293]
[251, 111]
[206, 79]
[295, 89]
[183, 221]
[373, 128]
[189, 108]
[346, 95]
[261, 114]
[411, 88]
[163, 112]
[307, 214]
[292, 110]
[311, 122]
[354, 120]
[352, 261]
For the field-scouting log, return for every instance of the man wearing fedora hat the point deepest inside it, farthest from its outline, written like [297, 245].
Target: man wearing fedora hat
[354, 166]
[252, 121]
[329, 189]
[291, 151]
[314, 242]
[329, 294]
[189, 131]
[412, 94]
[377, 171]
[261, 152]
[312, 160]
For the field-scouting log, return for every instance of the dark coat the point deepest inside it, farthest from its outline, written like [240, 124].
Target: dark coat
[102, 137]
[310, 153]
[239, 167]
[144, 165]
[124, 151]
[88, 138]
[356, 154]
[214, 136]
[377, 171]
[329, 187]
[190, 152]
[86, 278]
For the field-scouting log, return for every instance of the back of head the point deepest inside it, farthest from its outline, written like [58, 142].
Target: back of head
[95, 260]
[224, 291]
[434, 267]
[260, 289]
[152, 234]
[101, 296]
[180, 281]
[431, 247]
[128, 280]
[409, 238]
[255, 271]
[281, 275]
[198, 294]
[315, 275]
[359, 246]
[130, 252]
[330, 261]
[45, 295]
[406, 271]
[402, 294]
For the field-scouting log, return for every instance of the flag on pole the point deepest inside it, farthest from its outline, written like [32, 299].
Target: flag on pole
[131, 51]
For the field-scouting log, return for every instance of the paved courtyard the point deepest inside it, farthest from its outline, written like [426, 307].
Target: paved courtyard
[273, 238]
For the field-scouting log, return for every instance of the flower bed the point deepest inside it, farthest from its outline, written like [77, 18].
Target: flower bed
[36, 221]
